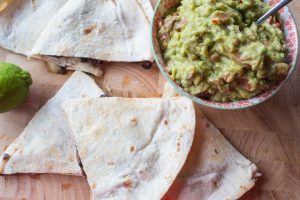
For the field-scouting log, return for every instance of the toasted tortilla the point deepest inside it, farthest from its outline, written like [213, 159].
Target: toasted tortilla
[103, 30]
[131, 148]
[214, 169]
[46, 145]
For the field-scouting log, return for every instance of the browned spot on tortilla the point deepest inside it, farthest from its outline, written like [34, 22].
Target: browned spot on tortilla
[114, 2]
[166, 122]
[6, 157]
[66, 186]
[216, 151]
[33, 5]
[207, 125]
[89, 29]
[178, 146]
[216, 184]
[94, 186]
[111, 163]
[134, 121]
[132, 148]
[242, 187]
[127, 184]
[23, 198]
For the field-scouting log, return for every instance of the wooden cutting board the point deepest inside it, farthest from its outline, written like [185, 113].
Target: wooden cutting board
[268, 134]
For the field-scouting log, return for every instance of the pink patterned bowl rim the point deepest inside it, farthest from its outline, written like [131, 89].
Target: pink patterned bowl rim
[291, 35]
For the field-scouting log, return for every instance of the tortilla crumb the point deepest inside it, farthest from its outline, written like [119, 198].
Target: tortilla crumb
[178, 146]
[127, 184]
[243, 188]
[94, 186]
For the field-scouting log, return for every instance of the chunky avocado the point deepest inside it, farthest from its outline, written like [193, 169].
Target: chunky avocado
[214, 49]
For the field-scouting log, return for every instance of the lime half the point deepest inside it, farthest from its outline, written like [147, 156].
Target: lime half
[14, 86]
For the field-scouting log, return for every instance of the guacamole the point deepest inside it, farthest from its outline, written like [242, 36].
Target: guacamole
[214, 49]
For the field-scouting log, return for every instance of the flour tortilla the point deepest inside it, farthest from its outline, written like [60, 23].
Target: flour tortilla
[114, 30]
[131, 148]
[214, 169]
[46, 145]
[147, 9]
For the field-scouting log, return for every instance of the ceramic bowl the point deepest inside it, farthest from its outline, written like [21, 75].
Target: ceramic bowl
[291, 36]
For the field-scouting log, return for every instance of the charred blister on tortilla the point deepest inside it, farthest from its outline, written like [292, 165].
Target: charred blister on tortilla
[133, 122]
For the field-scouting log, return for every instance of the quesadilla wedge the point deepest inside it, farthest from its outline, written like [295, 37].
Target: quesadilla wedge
[63, 31]
[131, 148]
[214, 169]
[46, 145]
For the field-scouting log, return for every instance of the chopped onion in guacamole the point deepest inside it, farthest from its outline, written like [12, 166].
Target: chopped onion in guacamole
[214, 50]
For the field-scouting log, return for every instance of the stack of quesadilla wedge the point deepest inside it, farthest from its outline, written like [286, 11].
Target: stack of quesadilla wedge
[130, 148]
[77, 34]
[127, 146]
[46, 145]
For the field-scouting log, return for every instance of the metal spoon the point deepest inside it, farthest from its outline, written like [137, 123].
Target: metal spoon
[272, 11]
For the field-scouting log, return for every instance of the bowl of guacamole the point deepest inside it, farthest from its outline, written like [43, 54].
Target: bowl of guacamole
[213, 52]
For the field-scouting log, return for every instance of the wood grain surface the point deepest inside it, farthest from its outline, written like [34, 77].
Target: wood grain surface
[268, 134]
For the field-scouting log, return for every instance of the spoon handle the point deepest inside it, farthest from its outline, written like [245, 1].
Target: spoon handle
[272, 11]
